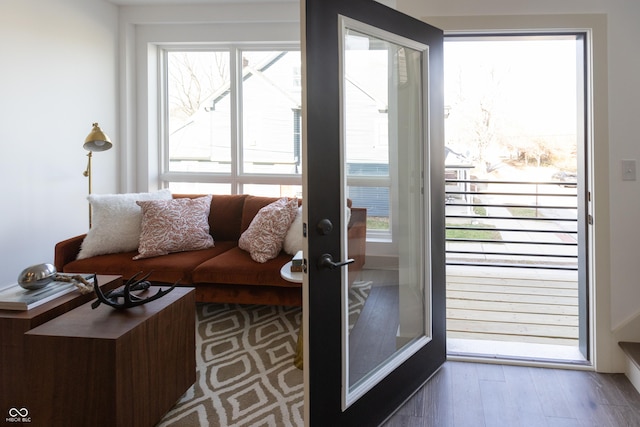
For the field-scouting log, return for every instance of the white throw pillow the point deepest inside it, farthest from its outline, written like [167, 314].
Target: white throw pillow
[116, 222]
[293, 239]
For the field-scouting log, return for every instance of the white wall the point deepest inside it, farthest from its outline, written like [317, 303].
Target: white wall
[58, 75]
[616, 247]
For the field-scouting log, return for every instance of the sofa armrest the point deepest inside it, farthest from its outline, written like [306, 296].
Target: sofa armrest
[357, 237]
[67, 251]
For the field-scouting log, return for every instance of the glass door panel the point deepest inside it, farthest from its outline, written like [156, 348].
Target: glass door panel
[383, 105]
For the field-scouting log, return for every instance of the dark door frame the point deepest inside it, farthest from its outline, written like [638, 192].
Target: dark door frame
[323, 357]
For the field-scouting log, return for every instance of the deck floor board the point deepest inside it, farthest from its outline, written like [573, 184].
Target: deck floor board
[516, 305]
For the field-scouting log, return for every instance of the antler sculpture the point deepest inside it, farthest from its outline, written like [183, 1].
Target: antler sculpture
[111, 298]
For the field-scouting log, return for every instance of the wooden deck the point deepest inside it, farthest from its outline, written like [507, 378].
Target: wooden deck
[515, 305]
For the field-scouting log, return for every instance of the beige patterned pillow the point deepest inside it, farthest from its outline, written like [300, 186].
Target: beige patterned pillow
[174, 225]
[264, 237]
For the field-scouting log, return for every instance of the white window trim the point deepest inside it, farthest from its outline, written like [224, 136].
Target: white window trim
[142, 31]
[603, 343]
[234, 178]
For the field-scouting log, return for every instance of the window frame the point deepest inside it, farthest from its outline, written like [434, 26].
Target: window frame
[236, 178]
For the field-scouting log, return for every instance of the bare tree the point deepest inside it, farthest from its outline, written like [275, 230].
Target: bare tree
[195, 77]
[484, 129]
[537, 149]
[473, 114]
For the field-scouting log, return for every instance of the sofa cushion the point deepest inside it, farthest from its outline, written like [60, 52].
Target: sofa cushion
[116, 222]
[265, 235]
[174, 225]
[226, 216]
[235, 266]
[166, 269]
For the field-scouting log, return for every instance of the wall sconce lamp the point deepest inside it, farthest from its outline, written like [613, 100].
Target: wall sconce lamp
[97, 140]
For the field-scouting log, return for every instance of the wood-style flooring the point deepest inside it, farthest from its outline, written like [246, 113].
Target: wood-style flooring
[465, 394]
[373, 338]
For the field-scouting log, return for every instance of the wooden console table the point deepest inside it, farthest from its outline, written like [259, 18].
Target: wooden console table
[108, 367]
[14, 324]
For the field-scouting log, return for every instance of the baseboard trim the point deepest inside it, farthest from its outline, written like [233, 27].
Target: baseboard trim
[632, 362]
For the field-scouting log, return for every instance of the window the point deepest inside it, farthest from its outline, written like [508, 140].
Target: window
[232, 121]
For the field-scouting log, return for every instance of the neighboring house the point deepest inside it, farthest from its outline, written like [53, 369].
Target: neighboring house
[271, 127]
[272, 121]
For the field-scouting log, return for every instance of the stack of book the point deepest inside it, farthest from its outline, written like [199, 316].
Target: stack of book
[15, 297]
[296, 263]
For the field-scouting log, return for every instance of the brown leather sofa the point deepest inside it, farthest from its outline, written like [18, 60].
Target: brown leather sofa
[224, 273]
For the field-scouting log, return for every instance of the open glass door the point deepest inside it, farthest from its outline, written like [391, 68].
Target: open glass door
[372, 77]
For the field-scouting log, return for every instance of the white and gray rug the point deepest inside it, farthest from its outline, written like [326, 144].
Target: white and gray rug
[244, 360]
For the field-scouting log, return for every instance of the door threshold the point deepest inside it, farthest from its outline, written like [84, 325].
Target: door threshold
[516, 353]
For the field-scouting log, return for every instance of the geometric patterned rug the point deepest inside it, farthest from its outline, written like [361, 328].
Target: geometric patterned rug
[357, 297]
[245, 373]
[244, 366]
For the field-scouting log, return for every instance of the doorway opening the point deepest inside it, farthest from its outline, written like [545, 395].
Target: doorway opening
[516, 148]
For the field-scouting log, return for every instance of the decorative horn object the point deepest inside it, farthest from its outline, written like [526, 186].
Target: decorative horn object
[112, 298]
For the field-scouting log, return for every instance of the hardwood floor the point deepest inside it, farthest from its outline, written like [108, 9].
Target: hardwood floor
[373, 339]
[464, 394]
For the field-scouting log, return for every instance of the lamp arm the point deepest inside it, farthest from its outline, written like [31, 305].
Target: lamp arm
[87, 173]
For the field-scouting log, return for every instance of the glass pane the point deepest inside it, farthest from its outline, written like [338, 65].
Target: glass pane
[385, 317]
[199, 188]
[199, 120]
[377, 202]
[271, 112]
[366, 85]
[273, 190]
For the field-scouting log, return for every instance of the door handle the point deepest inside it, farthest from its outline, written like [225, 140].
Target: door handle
[326, 261]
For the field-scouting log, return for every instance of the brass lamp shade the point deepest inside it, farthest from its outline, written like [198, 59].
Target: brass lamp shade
[97, 140]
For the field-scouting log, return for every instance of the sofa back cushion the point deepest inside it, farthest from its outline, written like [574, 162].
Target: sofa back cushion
[225, 215]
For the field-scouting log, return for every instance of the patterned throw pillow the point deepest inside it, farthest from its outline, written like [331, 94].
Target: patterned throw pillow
[264, 236]
[174, 225]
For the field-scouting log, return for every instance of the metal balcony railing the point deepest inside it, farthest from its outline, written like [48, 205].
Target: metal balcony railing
[512, 223]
